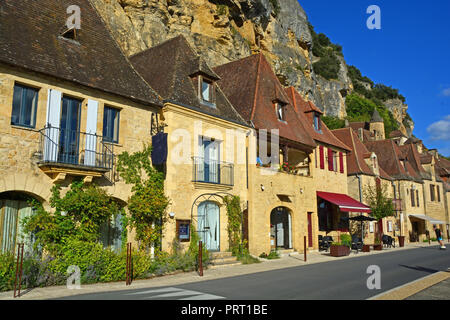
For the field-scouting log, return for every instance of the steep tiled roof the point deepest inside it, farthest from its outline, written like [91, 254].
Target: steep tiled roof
[303, 109]
[170, 68]
[412, 156]
[30, 38]
[389, 157]
[355, 159]
[396, 134]
[252, 87]
[376, 116]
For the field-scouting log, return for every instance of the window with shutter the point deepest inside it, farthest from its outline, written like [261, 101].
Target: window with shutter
[330, 160]
[438, 194]
[341, 162]
[322, 158]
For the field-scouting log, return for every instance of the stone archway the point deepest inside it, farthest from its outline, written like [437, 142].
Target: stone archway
[281, 228]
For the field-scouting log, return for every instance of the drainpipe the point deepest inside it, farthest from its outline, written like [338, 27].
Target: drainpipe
[395, 198]
[360, 200]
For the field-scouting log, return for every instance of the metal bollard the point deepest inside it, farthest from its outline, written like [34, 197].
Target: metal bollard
[200, 262]
[129, 271]
[19, 269]
[304, 247]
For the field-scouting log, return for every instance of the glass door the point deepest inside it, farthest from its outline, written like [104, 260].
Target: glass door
[209, 226]
[70, 131]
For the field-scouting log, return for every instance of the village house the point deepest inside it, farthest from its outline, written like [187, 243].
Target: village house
[68, 106]
[364, 175]
[208, 143]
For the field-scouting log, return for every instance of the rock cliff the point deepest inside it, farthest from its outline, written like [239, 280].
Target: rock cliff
[227, 30]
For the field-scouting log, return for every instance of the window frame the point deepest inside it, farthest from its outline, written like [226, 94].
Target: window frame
[318, 125]
[280, 106]
[24, 89]
[115, 131]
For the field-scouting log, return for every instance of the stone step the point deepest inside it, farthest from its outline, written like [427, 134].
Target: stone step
[227, 263]
[223, 260]
[222, 254]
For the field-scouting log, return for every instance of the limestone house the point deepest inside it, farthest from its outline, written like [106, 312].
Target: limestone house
[283, 206]
[330, 166]
[70, 101]
[364, 172]
[403, 164]
[209, 143]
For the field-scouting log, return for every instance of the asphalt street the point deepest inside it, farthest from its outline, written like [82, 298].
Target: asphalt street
[344, 279]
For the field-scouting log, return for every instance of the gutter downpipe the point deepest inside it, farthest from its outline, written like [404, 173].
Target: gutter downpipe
[360, 200]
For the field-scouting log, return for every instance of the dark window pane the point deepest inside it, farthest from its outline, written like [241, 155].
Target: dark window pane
[111, 124]
[24, 106]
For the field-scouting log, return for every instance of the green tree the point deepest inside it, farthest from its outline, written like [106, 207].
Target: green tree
[148, 203]
[78, 214]
[377, 198]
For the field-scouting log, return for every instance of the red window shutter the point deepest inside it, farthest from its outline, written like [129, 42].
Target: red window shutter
[341, 161]
[330, 160]
[322, 159]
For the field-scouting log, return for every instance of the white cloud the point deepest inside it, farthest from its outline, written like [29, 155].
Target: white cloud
[446, 92]
[440, 130]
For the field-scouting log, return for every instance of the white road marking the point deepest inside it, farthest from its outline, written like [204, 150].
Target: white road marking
[174, 293]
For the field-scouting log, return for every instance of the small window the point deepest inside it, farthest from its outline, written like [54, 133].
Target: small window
[279, 108]
[24, 106]
[111, 124]
[412, 198]
[417, 198]
[438, 194]
[317, 125]
[207, 92]
[432, 195]
[184, 230]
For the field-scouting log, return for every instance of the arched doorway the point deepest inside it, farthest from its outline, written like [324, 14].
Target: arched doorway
[209, 225]
[15, 207]
[281, 228]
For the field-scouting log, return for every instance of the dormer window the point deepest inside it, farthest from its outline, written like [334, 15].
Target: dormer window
[207, 91]
[280, 110]
[317, 125]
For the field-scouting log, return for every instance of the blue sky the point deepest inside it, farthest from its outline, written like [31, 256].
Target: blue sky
[411, 52]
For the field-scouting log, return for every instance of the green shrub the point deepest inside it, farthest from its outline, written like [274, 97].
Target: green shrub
[333, 122]
[272, 255]
[346, 240]
[328, 67]
[7, 271]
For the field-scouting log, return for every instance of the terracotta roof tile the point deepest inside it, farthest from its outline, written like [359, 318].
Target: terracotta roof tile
[252, 87]
[305, 114]
[30, 37]
[171, 68]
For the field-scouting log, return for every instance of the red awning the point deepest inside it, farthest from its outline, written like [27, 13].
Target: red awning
[344, 202]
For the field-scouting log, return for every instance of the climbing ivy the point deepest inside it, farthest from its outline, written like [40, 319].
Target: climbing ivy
[148, 203]
[234, 228]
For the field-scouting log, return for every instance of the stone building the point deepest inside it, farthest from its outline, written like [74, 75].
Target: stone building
[208, 143]
[364, 174]
[68, 106]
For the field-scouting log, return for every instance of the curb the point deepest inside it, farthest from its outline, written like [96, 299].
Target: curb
[404, 291]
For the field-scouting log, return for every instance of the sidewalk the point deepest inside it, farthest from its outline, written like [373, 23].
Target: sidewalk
[288, 261]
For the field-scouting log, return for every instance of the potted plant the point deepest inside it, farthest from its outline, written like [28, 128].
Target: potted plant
[378, 246]
[342, 248]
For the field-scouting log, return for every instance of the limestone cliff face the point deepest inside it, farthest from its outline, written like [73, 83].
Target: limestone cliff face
[227, 30]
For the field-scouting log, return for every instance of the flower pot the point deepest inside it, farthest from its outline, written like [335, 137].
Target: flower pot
[401, 241]
[339, 251]
[378, 247]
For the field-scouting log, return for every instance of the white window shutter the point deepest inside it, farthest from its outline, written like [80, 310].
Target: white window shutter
[51, 139]
[91, 130]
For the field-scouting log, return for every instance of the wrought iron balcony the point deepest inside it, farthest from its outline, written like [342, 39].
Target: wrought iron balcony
[214, 172]
[75, 149]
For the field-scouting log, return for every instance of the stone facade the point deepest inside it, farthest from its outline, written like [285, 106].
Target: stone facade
[19, 146]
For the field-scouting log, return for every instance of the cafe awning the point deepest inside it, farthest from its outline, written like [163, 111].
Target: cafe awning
[344, 202]
[426, 218]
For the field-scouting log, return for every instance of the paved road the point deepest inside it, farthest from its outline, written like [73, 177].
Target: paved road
[341, 279]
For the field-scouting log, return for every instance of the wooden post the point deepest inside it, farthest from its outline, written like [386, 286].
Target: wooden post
[200, 259]
[129, 265]
[304, 247]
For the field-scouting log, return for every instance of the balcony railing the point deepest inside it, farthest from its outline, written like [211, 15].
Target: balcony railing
[211, 171]
[75, 148]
